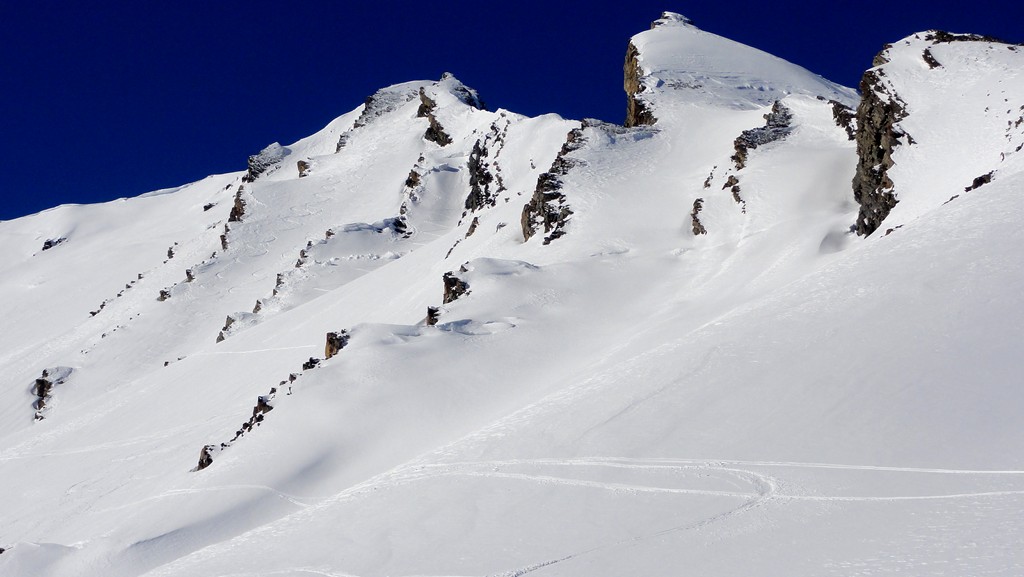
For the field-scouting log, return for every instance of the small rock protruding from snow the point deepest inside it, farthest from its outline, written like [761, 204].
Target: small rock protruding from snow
[335, 342]
[52, 242]
[43, 388]
[454, 287]
[433, 315]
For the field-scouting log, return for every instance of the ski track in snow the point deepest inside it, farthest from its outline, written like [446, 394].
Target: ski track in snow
[764, 488]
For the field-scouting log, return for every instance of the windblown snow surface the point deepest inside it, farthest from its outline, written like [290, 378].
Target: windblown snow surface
[774, 397]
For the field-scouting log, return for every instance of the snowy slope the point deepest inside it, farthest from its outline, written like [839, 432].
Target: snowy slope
[689, 365]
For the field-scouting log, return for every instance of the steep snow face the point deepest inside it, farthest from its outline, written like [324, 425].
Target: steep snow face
[692, 355]
[678, 63]
[952, 106]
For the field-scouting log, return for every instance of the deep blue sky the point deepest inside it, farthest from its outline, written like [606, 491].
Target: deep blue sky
[109, 99]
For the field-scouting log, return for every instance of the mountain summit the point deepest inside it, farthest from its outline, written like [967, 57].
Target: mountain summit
[438, 339]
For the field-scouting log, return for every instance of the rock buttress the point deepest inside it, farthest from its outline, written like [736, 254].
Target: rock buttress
[877, 137]
[637, 111]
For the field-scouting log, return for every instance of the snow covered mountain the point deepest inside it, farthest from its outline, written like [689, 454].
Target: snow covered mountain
[767, 327]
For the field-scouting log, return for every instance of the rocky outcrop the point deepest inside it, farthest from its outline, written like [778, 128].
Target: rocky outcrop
[480, 179]
[980, 181]
[778, 125]
[43, 388]
[304, 167]
[878, 135]
[433, 315]
[845, 118]
[698, 228]
[335, 342]
[205, 457]
[265, 160]
[638, 111]
[548, 208]
[435, 132]
[238, 208]
[454, 287]
[52, 242]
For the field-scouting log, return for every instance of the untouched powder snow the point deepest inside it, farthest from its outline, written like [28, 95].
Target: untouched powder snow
[765, 394]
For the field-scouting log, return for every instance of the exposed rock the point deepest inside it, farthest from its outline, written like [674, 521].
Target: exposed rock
[342, 142]
[264, 160]
[878, 135]
[465, 94]
[238, 209]
[189, 275]
[777, 126]
[335, 342]
[845, 118]
[208, 206]
[433, 315]
[979, 182]
[164, 295]
[548, 207]
[43, 388]
[224, 237]
[380, 103]
[454, 287]
[435, 132]
[637, 110]
[943, 37]
[472, 227]
[310, 364]
[698, 228]
[52, 242]
[929, 58]
[413, 180]
[205, 457]
[480, 179]
[304, 166]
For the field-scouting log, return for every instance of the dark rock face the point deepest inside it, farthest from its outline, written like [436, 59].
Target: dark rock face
[637, 111]
[548, 208]
[698, 228]
[777, 126]
[335, 342]
[878, 135]
[845, 118]
[435, 132]
[52, 242]
[480, 179]
[303, 167]
[454, 287]
[310, 364]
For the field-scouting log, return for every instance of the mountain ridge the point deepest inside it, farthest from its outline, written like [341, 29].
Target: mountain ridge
[552, 346]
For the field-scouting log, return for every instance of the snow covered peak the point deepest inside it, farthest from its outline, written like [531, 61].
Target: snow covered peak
[676, 62]
[671, 19]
